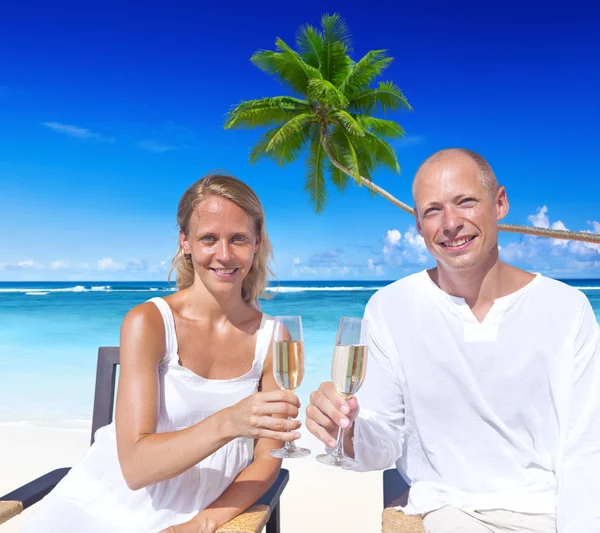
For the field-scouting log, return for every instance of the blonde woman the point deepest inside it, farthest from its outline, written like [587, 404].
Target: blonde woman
[177, 457]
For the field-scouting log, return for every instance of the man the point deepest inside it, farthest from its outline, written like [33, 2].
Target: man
[483, 380]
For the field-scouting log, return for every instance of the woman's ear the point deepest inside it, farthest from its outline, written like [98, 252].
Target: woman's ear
[184, 243]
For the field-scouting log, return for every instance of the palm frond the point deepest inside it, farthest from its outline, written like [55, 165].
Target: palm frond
[315, 176]
[346, 121]
[337, 44]
[310, 45]
[386, 97]
[264, 112]
[380, 126]
[362, 73]
[337, 145]
[286, 151]
[287, 65]
[291, 128]
[325, 93]
[380, 151]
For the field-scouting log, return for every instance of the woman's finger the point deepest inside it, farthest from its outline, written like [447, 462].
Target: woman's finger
[275, 408]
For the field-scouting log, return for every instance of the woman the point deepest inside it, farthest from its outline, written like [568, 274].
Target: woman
[176, 458]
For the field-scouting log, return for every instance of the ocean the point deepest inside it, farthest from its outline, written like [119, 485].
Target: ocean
[50, 333]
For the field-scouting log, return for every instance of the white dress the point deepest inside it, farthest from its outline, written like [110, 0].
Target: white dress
[94, 498]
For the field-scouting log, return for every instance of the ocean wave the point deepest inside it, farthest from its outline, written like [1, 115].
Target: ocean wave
[37, 293]
[319, 289]
[81, 288]
[586, 288]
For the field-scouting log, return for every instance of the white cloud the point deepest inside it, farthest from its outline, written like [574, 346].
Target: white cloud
[76, 131]
[59, 264]
[296, 261]
[153, 146]
[393, 237]
[557, 256]
[540, 219]
[404, 250]
[108, 263]
[374, 267]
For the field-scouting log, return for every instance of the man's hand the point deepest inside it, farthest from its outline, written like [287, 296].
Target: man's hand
[327, 412]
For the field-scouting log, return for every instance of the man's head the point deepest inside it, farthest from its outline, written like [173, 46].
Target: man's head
[458, 204]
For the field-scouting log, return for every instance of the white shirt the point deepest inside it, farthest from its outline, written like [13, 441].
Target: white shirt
[502, 414]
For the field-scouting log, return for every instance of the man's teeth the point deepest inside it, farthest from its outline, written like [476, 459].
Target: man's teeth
[459, 242]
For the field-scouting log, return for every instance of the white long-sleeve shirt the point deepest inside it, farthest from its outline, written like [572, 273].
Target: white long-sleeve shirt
[502, 414]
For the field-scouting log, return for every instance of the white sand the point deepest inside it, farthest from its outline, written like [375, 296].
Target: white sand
[317, 498]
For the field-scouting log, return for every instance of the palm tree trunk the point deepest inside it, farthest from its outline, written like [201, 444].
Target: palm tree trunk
[511, 228]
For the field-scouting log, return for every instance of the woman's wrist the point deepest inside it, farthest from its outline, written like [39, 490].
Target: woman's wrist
[206, 522]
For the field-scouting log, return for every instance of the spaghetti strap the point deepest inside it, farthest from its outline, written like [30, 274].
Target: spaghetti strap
[169, 322]
[263, 341]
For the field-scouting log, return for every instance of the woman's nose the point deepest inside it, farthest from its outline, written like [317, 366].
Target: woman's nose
[223, 250]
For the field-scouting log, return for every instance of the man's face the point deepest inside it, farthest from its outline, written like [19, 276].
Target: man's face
[457, 215]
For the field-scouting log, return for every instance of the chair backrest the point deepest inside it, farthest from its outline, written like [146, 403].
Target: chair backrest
[104, 395]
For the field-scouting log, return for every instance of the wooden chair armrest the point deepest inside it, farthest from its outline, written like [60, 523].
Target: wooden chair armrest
[254, 519]
[14, 502]
[397, 522]
[9, 509]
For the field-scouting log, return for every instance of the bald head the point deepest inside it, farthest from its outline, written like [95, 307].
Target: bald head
[458, 156]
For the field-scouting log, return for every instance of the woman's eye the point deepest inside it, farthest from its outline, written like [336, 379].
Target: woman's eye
[207, 238]
[239, 238]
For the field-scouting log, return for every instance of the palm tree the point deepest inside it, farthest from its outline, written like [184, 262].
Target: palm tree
[333, 116]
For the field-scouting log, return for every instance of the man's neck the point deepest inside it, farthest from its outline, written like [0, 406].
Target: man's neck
[478, 285]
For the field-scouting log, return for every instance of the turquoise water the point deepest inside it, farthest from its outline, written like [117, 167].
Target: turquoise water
[50, 335]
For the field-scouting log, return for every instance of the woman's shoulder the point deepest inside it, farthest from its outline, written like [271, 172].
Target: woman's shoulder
[143, 324]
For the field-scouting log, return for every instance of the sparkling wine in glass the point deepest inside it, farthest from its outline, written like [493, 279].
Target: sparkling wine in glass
[347, 373]
[288, 369]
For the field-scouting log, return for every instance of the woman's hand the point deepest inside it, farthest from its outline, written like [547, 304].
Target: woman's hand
[198, 524]
[264, 415]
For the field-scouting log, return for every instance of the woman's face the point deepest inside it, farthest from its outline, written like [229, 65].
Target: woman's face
[222, 242]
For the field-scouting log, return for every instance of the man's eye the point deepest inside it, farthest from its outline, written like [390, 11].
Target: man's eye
[468, 201]
[431, 211]
[239, 238]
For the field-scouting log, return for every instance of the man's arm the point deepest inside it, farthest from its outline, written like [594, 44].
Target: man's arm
[578, 504]
[379, 427]
[375, 437]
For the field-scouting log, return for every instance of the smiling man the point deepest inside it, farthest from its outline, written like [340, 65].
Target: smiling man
[483, 380]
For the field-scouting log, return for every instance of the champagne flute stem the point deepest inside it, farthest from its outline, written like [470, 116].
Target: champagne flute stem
[289, 445]
[338, 453]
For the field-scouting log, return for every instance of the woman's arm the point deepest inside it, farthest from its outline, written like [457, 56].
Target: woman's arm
[255, 479]
[147, 457]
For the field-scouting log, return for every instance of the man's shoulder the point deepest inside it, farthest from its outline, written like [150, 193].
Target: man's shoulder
[560, 292]
[399, 292]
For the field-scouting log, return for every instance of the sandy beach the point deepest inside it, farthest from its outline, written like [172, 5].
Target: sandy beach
[317, 498]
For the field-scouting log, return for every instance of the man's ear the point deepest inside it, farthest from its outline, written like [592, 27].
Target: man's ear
[184, 243]
[418, 222]
[502, 205]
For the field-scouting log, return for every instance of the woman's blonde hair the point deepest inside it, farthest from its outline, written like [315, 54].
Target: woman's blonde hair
[243, 196]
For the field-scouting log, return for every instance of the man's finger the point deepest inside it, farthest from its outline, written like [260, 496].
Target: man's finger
[320, 433]
[314, 414]
[331, 408]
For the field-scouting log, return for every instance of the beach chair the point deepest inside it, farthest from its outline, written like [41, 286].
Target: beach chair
[395, 492]
[264, 513]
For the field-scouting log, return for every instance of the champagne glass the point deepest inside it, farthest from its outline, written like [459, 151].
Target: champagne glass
[347, 373]
[288, 369]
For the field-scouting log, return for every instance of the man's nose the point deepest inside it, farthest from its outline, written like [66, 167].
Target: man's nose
[452, 221]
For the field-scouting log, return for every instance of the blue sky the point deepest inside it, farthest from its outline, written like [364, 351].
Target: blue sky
[108, 111]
